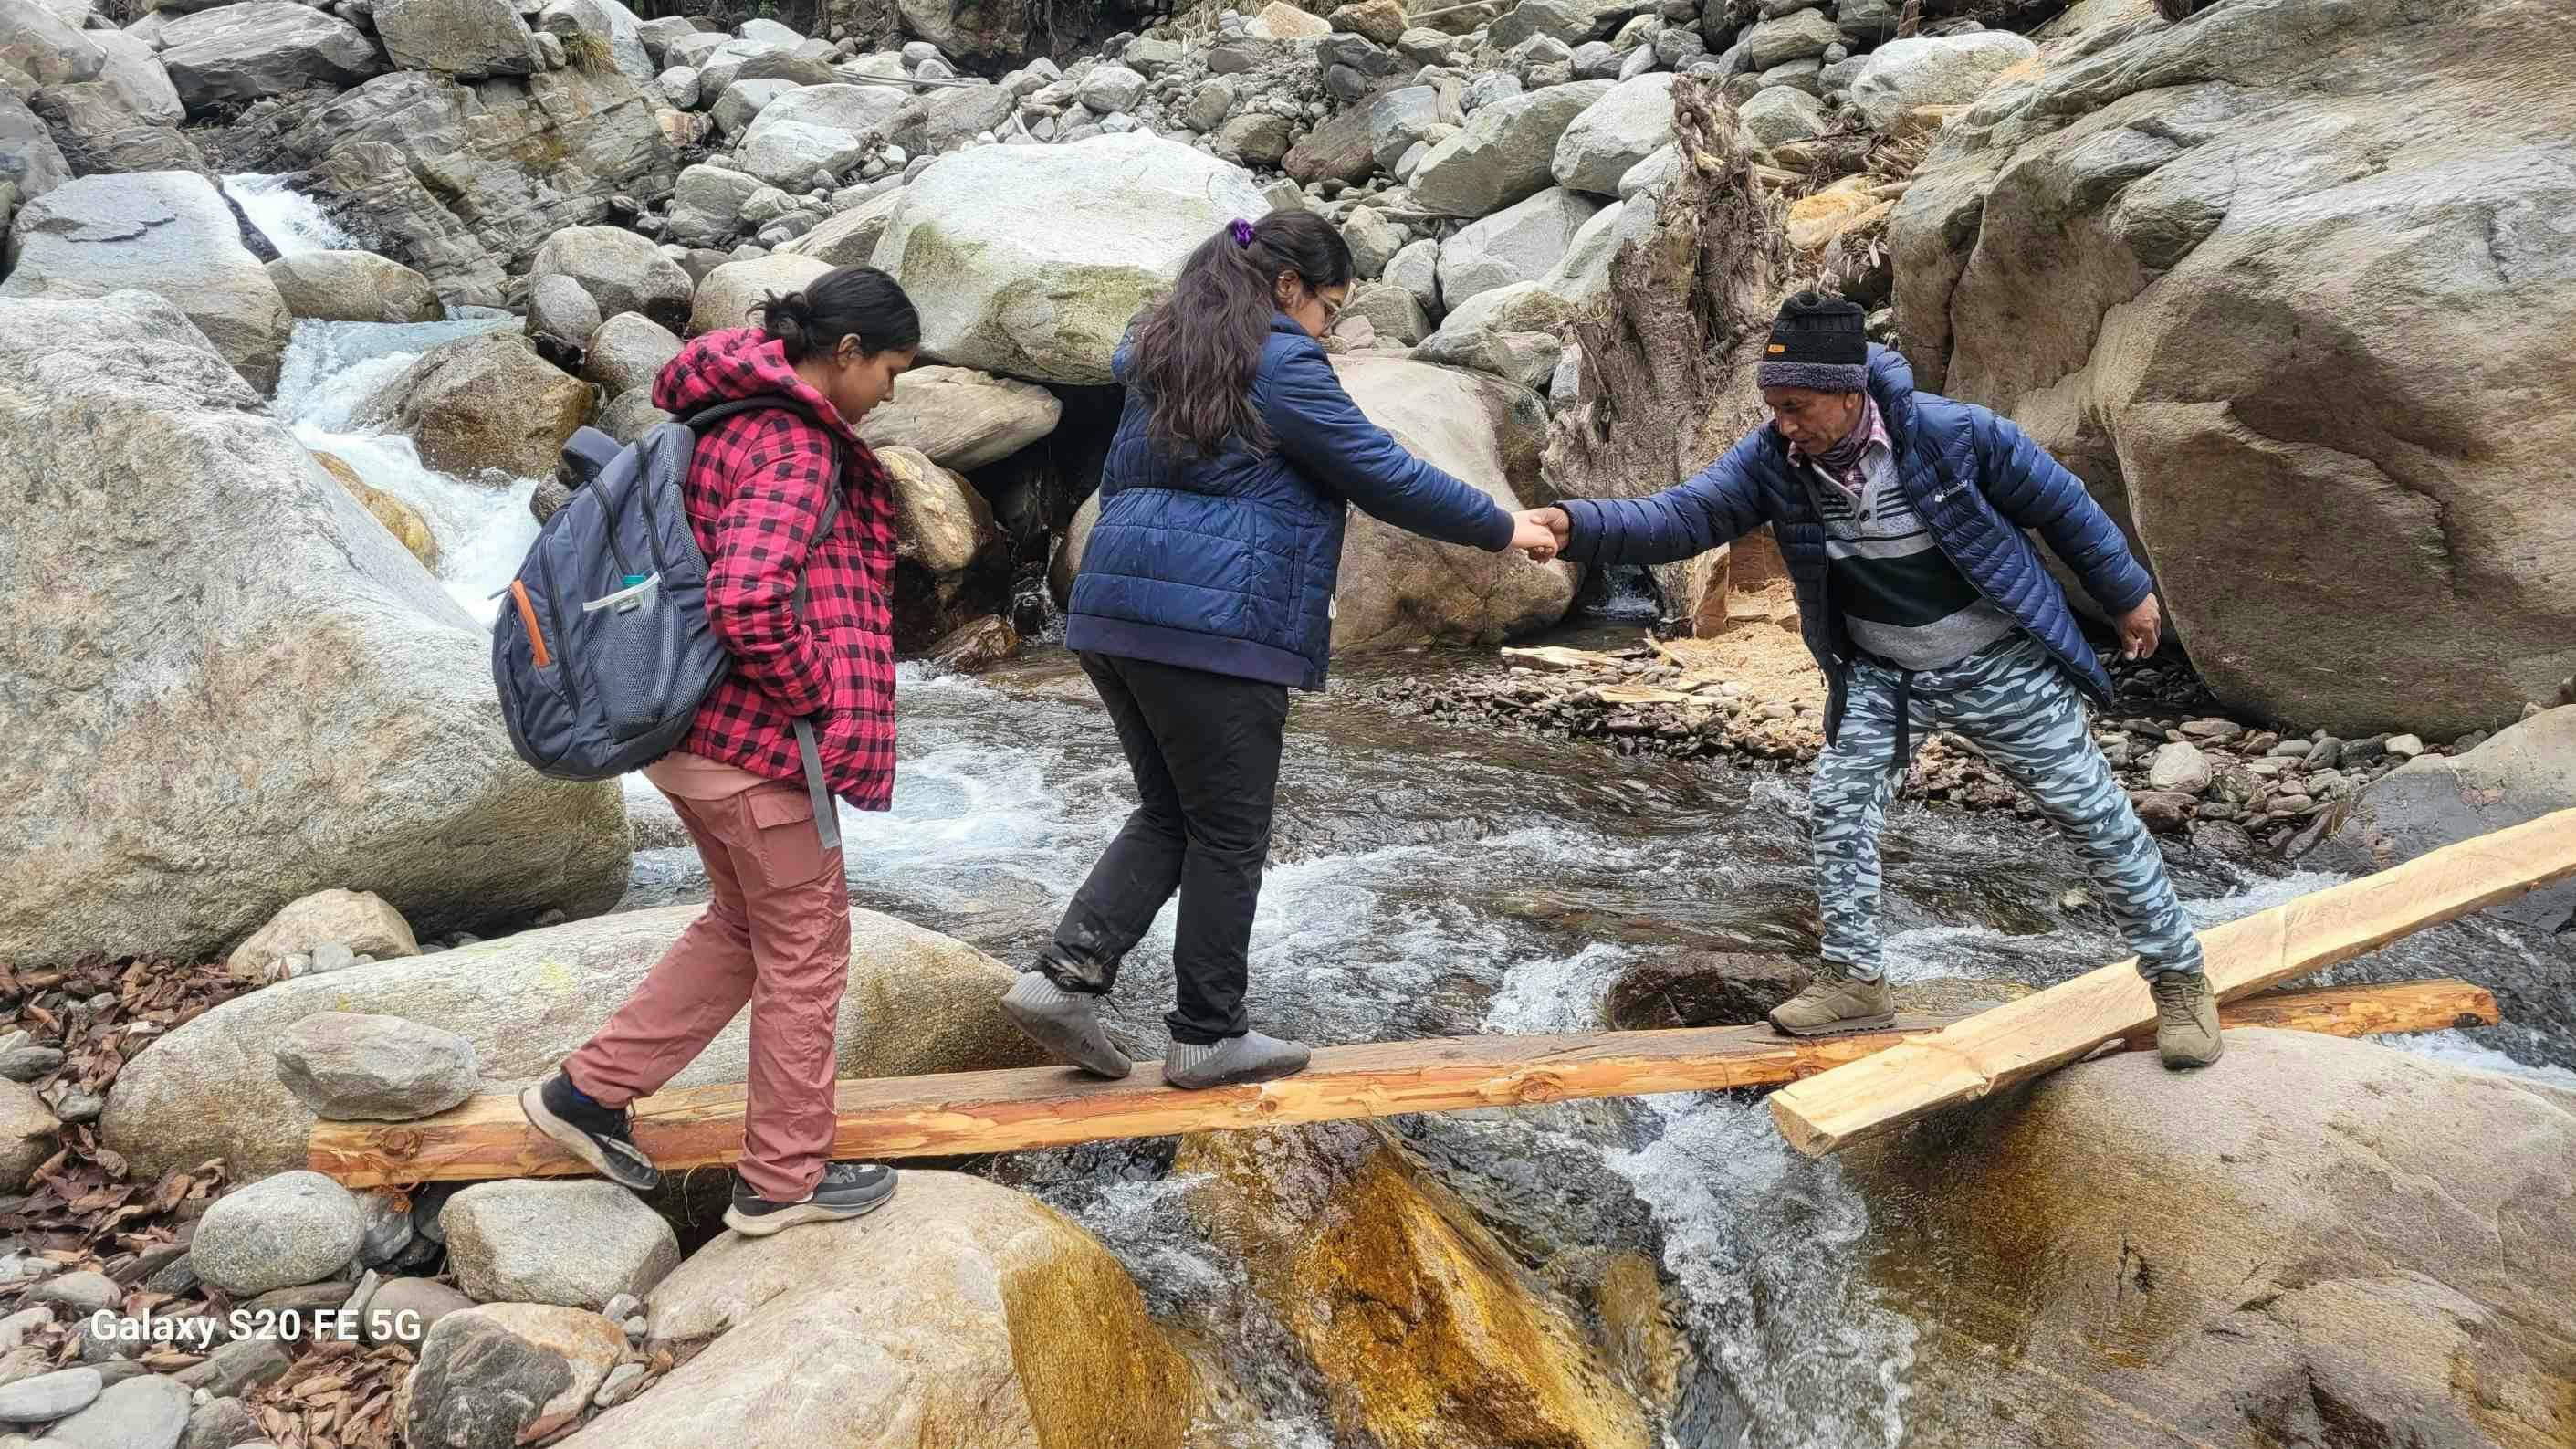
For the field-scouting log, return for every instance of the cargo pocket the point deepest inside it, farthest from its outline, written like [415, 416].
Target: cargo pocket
[784, 840]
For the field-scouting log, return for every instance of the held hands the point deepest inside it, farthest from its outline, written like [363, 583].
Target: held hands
[2141, 629]
[1541, 532]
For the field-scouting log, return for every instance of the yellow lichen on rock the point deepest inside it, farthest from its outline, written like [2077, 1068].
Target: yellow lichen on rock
[1428, 1334]
[399, 518]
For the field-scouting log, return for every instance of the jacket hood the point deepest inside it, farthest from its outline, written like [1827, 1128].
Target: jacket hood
[737, 363]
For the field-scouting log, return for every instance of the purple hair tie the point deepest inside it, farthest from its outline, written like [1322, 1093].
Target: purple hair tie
[1242, 231]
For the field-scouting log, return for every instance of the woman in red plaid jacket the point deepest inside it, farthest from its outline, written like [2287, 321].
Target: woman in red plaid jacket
[777, 933]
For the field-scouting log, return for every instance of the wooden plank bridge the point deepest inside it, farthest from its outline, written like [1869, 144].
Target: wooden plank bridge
[1837, 1089]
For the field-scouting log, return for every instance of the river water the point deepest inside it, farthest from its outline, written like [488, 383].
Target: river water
[1429, 881]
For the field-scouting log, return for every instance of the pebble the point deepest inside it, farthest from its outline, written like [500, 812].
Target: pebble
[47, 1397]
[621, 1384]
[15, 1328]
[84, 1292]
[81, 1107]
[2325, 754]
[27, 1063]
[2404, 747]
[239, 1366]
[2272, 767]
[143, 1412]
[621, 1307]
[332, 956]
[2290, 750]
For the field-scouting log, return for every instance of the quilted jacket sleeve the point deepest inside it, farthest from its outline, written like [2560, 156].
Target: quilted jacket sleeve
[2036, 492]
[760, 543]
[1328, 438]
[1720, 505]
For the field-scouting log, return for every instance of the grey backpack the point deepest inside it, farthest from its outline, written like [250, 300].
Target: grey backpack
[602, 651]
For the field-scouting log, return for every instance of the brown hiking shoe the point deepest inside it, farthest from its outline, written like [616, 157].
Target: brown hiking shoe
[1834, 1005]
[2186, 1019]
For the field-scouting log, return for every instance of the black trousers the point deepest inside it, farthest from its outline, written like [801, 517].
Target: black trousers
[1205, 752]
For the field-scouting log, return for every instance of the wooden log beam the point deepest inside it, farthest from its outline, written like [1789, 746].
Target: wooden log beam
[2048, 1029]
[970, 1112]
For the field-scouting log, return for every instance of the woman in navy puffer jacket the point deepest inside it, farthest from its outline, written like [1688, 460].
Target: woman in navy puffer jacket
[1205, 594]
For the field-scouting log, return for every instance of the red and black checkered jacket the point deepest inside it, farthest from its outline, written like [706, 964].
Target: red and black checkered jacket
[755, 496]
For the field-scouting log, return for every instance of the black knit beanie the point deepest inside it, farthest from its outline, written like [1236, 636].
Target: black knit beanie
[1817, 342]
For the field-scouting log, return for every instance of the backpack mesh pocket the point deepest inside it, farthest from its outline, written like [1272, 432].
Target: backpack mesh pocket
[640, 644]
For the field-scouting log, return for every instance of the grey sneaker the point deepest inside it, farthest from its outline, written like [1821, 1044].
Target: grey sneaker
[1066, 1023]
[2186, 1019]
[1250, 1057]
[1834, 1005]
[847, 1190]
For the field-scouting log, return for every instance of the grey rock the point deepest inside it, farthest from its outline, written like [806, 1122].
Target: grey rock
[1393, 313]
[407, 1308]
[1929, 71]
[606, 25]
[82, 1292]
[1254, 139]
[144, 1412]
[706, 208]
[245, 52]
[1211, 104]
[622, 272]
[78, 1107]
[1776, 117]
[628, 352]
[1416, 268]
[623, 1383]
[469, 39]
[1597, 60]
[742, 102]
[573, 1244]
[224, 1424]
[170, 234]
[1399, 120]
[1613, 134]
[2179, 766]
[31, 164]
[1505, 152]
[345, 1065]
[176, 1278]
[1373, 241]
[238, 1367]
[47, 1397]
[561, 317]
[1109, 89]
[1562, 20]
[29, 1063]
[961, 419]
[293, 1228]
[679, 85]
[1795, 36]
[487, 1376]
[353, 287]
[1517, 244]
[388, 1230]
[1799, 75]
[1491, 88]
[45, 47]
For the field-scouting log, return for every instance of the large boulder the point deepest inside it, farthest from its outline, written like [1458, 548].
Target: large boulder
[1947, 70]
[2521, 774]
[2317, 1241]
[971, 30]
[261, 48]
[100, 134]
[628, 353]
[1341, 149]
[44, 47]
[253, 693]
[353, 287]
[858, 110]
[135, 75]
[1400, 588]
[727, 295]
[961, 1312]
[505, 1373]
[1614, 133]
[2305, 335]
[1505, 152]
[168, 233]
[917, 1002]
[1423, 1327]
[605, 30]
[483, 404]
[961, 418]
[953, 116]
[850, 239]
[1520, 243]
[468, 39]
[622, 272]
[1050, 303]
[466, 183]
[707, 203]
[31, 162]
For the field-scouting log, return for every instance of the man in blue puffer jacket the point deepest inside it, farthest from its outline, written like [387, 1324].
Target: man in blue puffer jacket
[1901, 517]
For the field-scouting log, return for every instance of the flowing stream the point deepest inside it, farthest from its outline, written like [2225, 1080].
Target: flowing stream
[1428, 881]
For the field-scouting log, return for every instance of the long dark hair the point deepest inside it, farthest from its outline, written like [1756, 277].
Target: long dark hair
[1194, 355]
[859, 302]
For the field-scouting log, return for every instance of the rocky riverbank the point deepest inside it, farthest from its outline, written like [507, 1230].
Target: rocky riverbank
[1755, 699]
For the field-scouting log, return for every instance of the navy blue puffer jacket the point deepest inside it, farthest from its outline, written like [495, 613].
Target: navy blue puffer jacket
[1976, 478]
[1228, 564]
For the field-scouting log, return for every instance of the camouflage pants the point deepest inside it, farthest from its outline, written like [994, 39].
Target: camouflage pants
[2013, 702]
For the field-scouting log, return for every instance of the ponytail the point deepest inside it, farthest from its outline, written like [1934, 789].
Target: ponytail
[1196, 352]
[859, 302]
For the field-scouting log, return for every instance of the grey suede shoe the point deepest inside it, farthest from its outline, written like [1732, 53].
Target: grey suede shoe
[1833, 1006]
[1250, 1057]
[2186, 1019]
[1066, 1023]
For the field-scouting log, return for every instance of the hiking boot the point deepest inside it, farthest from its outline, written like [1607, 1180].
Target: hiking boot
[846, 1190]
[1250, 1057]
[2186, 1019]
[597, 1135]
[1066, 1023]
[1834, 1005]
